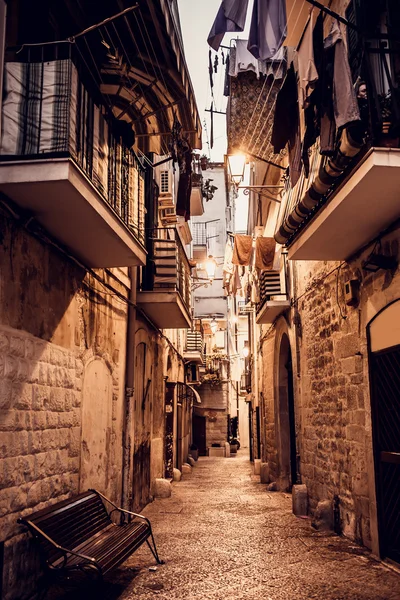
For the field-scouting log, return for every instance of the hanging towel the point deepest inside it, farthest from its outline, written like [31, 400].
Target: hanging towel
[212, 125]
[265, 253]
[210, 70]
[308, 74]
[286, 127]
[230, 17]
[243, 250]
[268, 28]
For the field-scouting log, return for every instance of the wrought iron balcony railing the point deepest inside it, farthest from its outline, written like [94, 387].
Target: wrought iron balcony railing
[167, 267]
[48, 113]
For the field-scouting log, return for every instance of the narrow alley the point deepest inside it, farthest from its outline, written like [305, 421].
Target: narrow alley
[223, 537]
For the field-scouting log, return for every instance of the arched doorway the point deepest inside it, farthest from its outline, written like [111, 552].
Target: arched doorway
[286, 424]
[96, 428]
[142, 432]
[384, 364]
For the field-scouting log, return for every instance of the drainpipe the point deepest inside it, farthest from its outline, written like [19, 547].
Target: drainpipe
[129, 408]
[254, 350]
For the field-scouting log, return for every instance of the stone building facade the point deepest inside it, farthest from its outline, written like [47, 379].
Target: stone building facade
[83, 365]
[328, 340]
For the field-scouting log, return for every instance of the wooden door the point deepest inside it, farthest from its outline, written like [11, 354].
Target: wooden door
[199, 434]
[385, 375]
[142, 428]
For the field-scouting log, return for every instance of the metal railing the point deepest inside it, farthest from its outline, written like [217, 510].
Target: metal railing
[52, 115]
[375, 71]
[199, 234]
[194, 341]
[167, 267]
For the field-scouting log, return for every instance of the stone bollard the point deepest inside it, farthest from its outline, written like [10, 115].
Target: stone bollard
[191, 461]
[323, 516]
[177, 475]
[162, 488]
[227, 449]
[186, 468]
[257, 466]
[264, 472]
[300, 500]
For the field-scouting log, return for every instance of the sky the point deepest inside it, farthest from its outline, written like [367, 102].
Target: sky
[196, 21]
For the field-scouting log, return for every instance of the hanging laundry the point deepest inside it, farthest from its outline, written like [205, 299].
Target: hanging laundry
[308, 74]
[227, 82]
[242, 60]
[312, 113]
[212, 125]
[231, 16]
[216, 64]
[265, 253]
[185, 181]
[235, 284]
[210, 69]
[340, 106]
[268, 28]
[286, 127]
[255, 286]
[243, 250]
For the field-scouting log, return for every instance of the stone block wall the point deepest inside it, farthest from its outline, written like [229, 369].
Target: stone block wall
[55, 322]
[40, 421]
[331, 385]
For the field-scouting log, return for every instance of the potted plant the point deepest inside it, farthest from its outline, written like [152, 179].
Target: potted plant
[203, 162]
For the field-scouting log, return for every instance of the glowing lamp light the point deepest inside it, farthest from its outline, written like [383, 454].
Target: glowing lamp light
[236, 165]
[214, 325]
[210, 266]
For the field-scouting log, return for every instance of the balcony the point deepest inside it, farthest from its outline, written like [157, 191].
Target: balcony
[273, 297]
[194, 347]
[165, 290]
[365, 204]
[62, 164]
[351, 196]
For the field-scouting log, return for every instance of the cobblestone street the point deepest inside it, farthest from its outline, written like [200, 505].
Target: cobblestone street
[224, 537]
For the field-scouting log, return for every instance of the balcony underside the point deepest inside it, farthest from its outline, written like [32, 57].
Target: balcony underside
[193, 356]
[165, 309]
[365, 205]
[270, 310]
[196, 202]
[59, 196]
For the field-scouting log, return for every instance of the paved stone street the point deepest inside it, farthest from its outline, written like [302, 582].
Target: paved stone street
[224, 537]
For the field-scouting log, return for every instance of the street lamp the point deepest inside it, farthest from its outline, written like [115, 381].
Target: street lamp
[236, 164]
[211, 267]
[246, 350]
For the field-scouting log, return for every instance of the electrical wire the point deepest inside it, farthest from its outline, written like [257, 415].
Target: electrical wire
[272, 87]
[274, 79]
[71, 39]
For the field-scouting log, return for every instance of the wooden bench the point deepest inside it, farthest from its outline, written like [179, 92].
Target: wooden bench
[80, 535]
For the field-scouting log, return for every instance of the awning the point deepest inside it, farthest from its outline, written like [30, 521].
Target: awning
[195, 393]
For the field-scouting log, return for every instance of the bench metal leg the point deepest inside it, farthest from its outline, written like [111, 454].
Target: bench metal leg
[153, 549]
